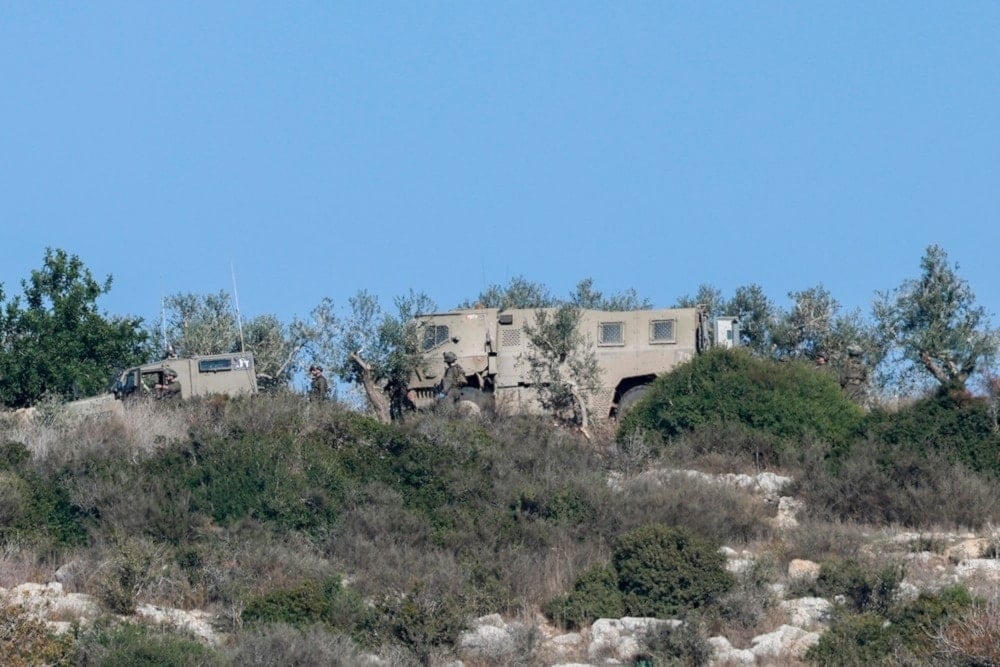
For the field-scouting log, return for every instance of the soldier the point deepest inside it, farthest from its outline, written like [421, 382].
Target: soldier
[821, 361]
[454, 378]
[854, 375]
[318, 386]
[170, 387]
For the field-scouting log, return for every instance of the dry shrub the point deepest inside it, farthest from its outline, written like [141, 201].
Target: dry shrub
[973, 638]
[819, 540]
[285, 645]
[25, 640]
[879, 484]
[708, 509]
[132, 568]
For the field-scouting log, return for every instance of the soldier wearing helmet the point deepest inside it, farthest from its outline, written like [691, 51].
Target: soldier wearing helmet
[318, 385]
[170, 386]
[854, 375]
[454, 378]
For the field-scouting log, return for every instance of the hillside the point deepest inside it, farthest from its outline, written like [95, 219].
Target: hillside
[308, 534]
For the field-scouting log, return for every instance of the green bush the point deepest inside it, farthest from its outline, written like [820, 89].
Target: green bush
[787, 400]
[868, 591]
[141, 646]
[595, 595]
[664, 571]
[904, 634]
[958, 429]
[308, 603]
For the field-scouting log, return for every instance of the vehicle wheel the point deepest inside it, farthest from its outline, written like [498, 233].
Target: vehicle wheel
[630, 398]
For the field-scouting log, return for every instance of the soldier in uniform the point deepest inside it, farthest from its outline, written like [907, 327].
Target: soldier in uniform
[454, 378]
[821, 361]
[854, 375]
[170, 387]
[318, 386]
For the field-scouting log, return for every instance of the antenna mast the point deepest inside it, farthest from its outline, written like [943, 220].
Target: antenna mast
[236, 300]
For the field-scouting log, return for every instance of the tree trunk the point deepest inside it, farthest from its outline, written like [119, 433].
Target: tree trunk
[378, 400]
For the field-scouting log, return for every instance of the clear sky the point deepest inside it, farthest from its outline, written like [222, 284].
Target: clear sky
[324, 147]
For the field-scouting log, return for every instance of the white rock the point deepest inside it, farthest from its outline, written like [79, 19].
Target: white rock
[807, 612]
[785, 642]
[801, 569]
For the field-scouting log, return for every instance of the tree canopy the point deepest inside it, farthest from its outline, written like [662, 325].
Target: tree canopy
[934, 322]
[55, 341]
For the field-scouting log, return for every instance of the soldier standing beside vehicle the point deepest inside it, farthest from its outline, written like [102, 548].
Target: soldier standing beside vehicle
[854, 375]
[454, 378]
[318, 386]
[170, 387]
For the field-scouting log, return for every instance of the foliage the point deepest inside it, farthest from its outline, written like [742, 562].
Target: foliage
[307, 603]
[906, 629]
[756, 313]
[867, 591]
[664, 571]
[210, 324]
[787, 400]
[32, 510]
[562, 363]
[934, 323]
[55, 341]
[25, 640]
[595, 594]
[684, 645]
[143, 646]
[424, 619]
[950, 425]
[388, 343]
[584, 296]
[519, 292]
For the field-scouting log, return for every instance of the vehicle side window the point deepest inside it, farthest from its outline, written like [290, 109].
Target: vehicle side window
[611, 333]
[661, 331]
[215, 365]
[435, 335]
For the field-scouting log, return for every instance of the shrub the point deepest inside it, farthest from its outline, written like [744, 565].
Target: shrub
[139, 646]
[905, 633]
[664, 571]
[595, 595]
[25, 640]
[868, 591]
[424, 620]
[972, 636]
[308, 603]
[787, 400]
[286, 645]
[684, 644]
[958, 430]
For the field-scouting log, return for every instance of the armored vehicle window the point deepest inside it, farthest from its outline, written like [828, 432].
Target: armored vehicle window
[434, 335]
[661, 331]
[215, 365]
[611, 333]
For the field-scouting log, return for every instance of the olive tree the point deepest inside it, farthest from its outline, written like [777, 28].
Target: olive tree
[53, 338]
[935, 325]
[209, 324]
[378, 350]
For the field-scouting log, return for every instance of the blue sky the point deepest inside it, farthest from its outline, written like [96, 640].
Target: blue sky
[322, 148]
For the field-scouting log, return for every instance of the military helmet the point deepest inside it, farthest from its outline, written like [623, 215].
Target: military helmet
[450, 358]
[170, 372]
[854, 350]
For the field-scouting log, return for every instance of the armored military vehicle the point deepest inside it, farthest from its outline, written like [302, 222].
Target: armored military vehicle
[231, 374]
[631, 347]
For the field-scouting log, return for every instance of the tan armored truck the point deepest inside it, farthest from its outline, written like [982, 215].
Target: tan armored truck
[632, 348]
[231, 374]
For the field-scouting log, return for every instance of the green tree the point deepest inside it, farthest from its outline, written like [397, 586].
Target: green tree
[519, 292]
[562, 363]
[585, 296]
[379, 350]
[756, 314]
[209, 324]
[708, 297]
[54, 340]
[934, 324]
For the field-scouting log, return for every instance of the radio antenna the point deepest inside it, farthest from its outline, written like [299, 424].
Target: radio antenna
[236, 301]
[163, 316]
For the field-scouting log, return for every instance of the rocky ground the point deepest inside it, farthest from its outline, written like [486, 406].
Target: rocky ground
[956, 558]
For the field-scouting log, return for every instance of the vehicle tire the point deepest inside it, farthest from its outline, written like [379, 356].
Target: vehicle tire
[630, 398]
